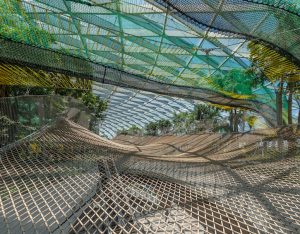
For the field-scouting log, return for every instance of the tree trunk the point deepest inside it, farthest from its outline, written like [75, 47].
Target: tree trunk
[290, 103]
[236, 123]
[41, 109]
[298, 126]
[3, 92]
[299, 118]
[243, 115]
[231, 124]
[11, 113]
[279, 104]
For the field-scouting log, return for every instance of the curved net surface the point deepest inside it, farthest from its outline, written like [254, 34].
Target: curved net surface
[275, 22]
[58, 177]
[27, 65]
[63, 178]
[144, 45]
[151, 38]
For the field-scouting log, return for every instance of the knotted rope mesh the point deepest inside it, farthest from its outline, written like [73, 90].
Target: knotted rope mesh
[274, 22]
[58, 177]
[63, 178]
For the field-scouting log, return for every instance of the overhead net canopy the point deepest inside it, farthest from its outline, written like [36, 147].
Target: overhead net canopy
[139, 42]
[134, 36]
[275, 22]
[150, 39]
[144, 41]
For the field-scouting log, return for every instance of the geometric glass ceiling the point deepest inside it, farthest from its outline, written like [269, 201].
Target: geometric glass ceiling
[151, 39]
[127, 107]
[138, 37]
[64, 178]
[275, 22]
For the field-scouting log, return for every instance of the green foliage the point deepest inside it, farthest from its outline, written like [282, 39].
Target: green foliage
[133, 130]
[202, 112]
[17, 25]
[237, 81]
[284, 75]
[27, 114]
[90, 100]
[164, 125]
[23, 90]
[273, 64]
[183, 122]
[93, 102]
[203, 117]
[251, 120]
[152, 128]
[181, 117]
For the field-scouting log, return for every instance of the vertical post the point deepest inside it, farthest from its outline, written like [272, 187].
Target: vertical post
[104, 74]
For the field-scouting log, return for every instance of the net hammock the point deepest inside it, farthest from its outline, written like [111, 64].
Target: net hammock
[58, 177]
[63, 178]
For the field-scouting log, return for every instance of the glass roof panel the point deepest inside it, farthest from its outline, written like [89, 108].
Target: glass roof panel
[137, 36]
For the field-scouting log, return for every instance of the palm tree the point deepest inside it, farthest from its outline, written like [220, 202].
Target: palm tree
[281, 72]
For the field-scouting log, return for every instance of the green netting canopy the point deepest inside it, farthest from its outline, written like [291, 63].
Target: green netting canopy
[138, 43]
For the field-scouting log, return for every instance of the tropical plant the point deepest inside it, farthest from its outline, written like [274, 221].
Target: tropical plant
[17, 25]
[297, 99]
[183, 122]
[281, 72]
[31, 115]
[164, 126]
[203, 111]
[237, 83]
[203, 118]
[133, 130]
[152, 128]
[251, 120]
[95, 104]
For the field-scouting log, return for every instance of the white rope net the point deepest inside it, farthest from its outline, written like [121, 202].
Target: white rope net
[65, 179]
